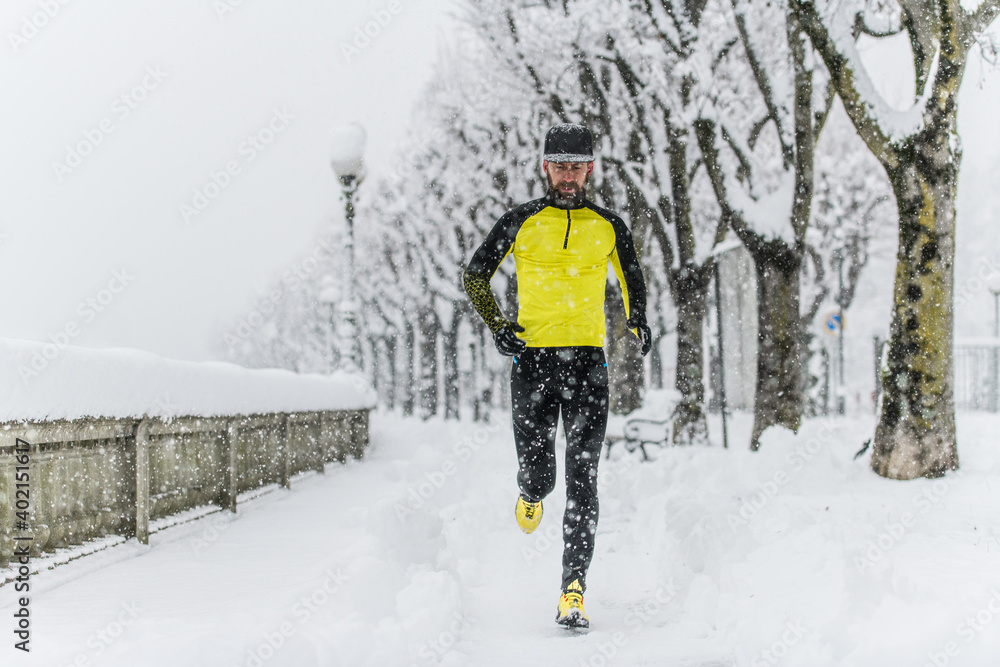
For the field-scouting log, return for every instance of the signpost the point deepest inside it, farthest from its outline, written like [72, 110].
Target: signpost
[834, 324]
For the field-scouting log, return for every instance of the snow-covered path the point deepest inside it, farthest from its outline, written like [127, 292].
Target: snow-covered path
[796, 555]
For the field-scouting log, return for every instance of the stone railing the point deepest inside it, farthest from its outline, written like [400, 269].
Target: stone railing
[93, 477]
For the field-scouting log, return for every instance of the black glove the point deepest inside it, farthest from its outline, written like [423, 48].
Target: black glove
[643, 332]
[506, 341]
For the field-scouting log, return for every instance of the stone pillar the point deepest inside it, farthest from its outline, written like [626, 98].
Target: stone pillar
[227, 495]
[142, 500]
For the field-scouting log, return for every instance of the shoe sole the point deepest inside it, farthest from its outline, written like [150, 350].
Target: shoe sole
[574, 621]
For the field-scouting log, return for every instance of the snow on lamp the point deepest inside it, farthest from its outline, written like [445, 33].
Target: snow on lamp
[347, 148]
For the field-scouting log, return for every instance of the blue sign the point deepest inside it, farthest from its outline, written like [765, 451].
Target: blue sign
[834, 322]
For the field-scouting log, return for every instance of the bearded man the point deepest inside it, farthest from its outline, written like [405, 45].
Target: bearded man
[562, 244]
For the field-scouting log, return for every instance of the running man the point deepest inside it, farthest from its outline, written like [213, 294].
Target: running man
[562, 244]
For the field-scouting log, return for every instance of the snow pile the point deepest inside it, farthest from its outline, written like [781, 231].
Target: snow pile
[794, 555]
[45, 381]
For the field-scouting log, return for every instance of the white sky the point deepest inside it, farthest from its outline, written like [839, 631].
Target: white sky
[60, 242]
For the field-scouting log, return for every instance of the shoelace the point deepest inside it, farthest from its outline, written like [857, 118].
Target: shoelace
[529, 510]
[574, 600]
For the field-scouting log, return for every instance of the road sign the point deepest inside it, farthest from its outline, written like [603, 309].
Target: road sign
[833, 322]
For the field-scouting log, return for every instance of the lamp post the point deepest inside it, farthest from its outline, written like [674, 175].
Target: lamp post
[329, 294]
[347, 159]
[993, 284]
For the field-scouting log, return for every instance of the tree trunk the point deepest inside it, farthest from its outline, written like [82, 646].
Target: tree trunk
[428, 389]
[373, 369]
[689, 288]
[915, 436]
[488, 377]
[625, 369]
[451, 375]
[780, 393]
[409, 381]
[477, 414]
[391, 343]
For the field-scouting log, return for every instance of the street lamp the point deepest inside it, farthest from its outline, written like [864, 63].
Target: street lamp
[347, 149]
[993, 285]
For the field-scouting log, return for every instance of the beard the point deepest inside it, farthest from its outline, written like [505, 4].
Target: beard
[567, 199]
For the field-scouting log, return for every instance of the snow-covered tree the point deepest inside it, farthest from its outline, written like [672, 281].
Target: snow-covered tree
[920, 151]
[852, 210]
[758, 142]
[453, 180]
[628, 76]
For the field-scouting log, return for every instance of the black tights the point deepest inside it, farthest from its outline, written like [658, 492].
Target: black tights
[543, 381]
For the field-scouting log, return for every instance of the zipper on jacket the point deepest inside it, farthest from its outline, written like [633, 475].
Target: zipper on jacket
[568, 222]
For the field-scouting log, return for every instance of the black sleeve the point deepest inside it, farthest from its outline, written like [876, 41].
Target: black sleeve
[631, 269]
[486, 260]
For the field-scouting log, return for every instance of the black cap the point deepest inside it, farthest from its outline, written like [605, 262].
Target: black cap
[567, 142]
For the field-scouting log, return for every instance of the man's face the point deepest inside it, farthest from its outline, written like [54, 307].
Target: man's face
[567, 178]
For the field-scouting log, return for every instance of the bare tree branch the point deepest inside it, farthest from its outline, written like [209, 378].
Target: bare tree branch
[843, 77]
[861, 27]
[706, 132]
[984, 15]
[922, 20]
[651, 12]
[663, 211]
[822, 114]
[805, 137]
[824, 290]
[763, 84]
[554, 102]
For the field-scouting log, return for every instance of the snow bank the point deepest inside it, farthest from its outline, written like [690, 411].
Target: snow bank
[45, 381]
[797, 555]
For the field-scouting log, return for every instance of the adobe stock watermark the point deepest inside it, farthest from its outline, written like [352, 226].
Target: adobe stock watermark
[302, 611]
[364, 34]
[88, 310]
[434, 650]
[769, 488]
[213, 529]
[461, 452]
[121, 108]
[985, 268]
[967, 629]
[874, 550]
[225, 7]
[773, 654]
[637, 619]
[35, 22]
[608, 473]
[248, 151]
[413, 159]
[326, 248]
[101, 640]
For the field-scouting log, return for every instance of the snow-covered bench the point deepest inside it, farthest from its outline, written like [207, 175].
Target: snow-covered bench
[638, 433]
[646, 426]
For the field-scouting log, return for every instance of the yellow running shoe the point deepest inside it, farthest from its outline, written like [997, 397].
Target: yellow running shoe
[528, 514]
[571, 613]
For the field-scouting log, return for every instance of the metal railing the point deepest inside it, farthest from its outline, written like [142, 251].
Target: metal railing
[977, 373]
[977, 376]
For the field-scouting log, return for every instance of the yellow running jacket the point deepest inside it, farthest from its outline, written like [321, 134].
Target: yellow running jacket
[561, 258]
